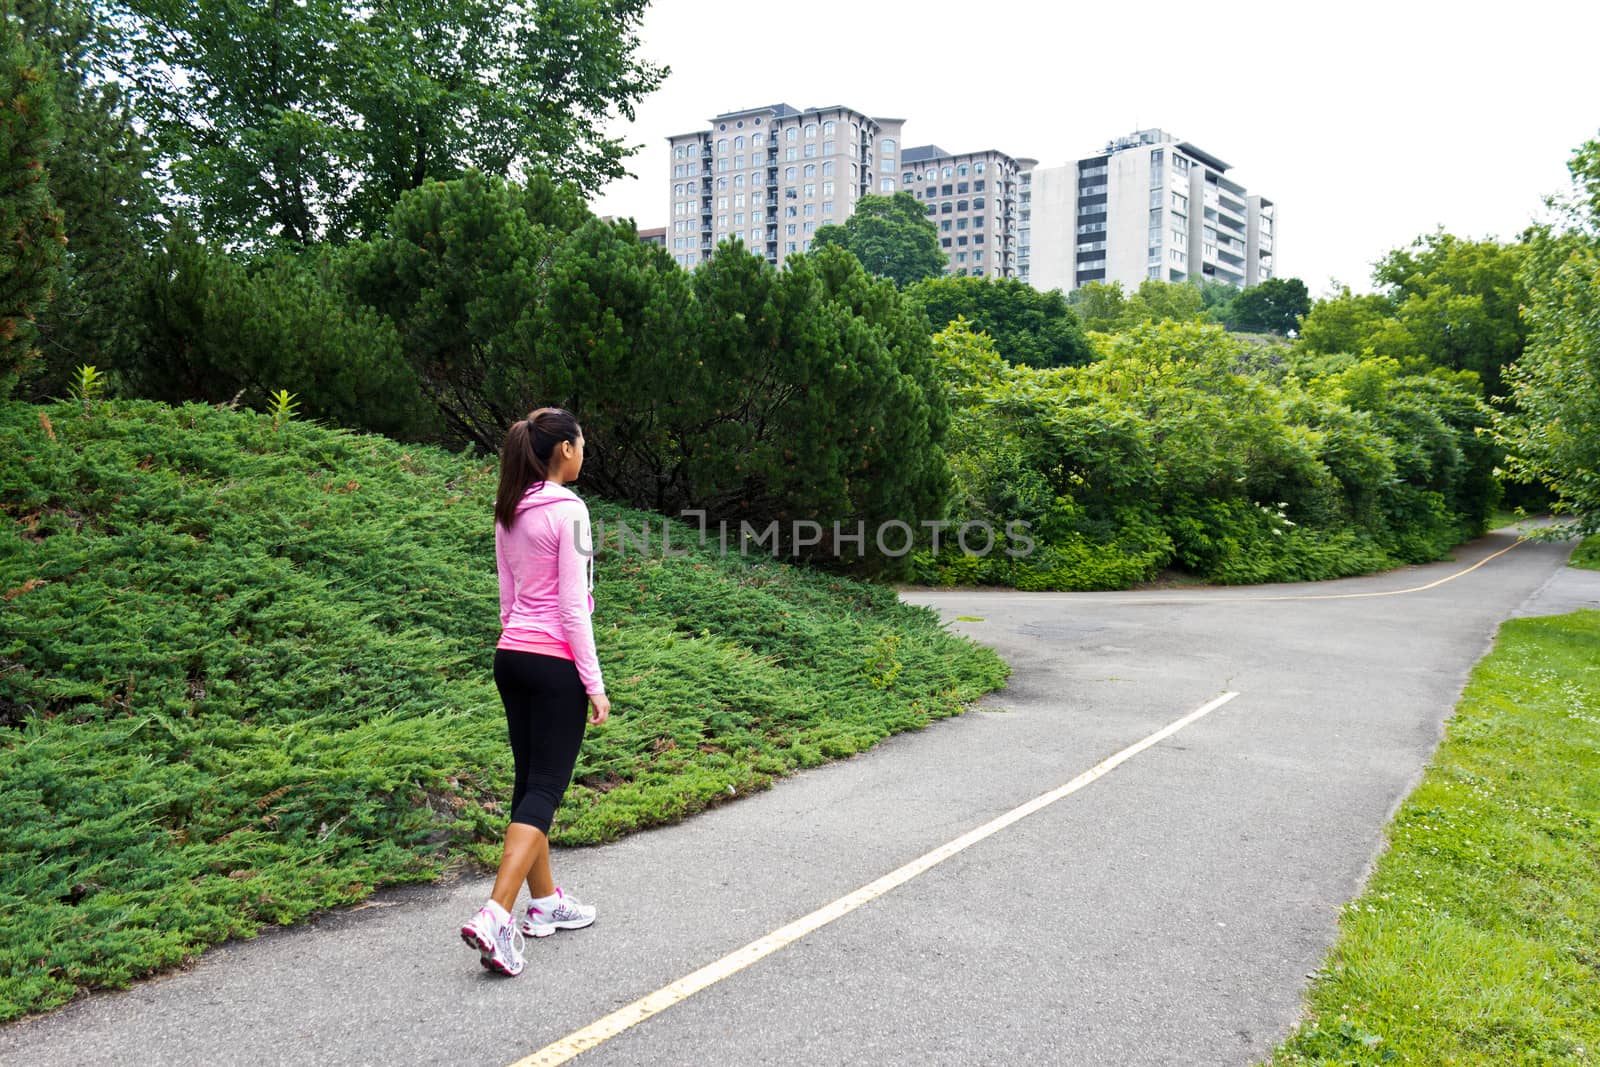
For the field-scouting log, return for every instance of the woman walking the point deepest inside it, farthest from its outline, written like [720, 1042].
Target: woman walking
[546, 670]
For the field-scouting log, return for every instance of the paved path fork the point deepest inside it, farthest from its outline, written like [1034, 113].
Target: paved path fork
[1166, 914]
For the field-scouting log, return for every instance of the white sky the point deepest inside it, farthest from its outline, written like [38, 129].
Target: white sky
[1367, 123]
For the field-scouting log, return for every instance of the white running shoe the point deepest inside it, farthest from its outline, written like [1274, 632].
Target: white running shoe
[568, 914]
[499, 944]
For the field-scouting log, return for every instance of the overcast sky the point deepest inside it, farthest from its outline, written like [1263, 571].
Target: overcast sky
[1368, 123]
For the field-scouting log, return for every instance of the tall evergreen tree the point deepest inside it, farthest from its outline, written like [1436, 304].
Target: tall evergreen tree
[31, 237]
[97, 181]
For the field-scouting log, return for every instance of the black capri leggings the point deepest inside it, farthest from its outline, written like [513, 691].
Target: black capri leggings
[546, 712]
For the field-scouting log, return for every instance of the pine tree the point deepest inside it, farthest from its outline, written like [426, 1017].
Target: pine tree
[31, 236]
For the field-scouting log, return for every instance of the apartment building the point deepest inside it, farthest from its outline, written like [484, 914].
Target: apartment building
[1148, 206]
[769, 176]
[972, 199]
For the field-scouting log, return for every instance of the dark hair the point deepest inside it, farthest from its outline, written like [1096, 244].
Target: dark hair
[525, 456]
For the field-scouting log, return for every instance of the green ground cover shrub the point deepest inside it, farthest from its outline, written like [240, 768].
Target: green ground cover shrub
[244, 674]
[1475, 940]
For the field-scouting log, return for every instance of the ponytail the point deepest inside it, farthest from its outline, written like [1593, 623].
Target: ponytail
[525, 456]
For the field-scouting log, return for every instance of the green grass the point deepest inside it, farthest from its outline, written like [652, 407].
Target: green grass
[245, 674]
[1587, 554]
[1504, 517]
[1477, 940]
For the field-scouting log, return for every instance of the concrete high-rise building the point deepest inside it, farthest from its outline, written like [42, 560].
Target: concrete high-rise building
[972, 198]
[1149, 206]
[769, 176]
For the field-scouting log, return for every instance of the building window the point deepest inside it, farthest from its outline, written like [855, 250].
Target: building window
[811, 210]
[946, 190]
[946, 207]
[788, 246]
[827, 188]
[827, 169]
[722, 146]
[791, 211]
[827, 207]
[757, 140]
[738, 201]
[1180, 203]
[886, 185]
[977, 238]
[948, 171]
[811, 150]
[811, 170]
[931, 176]
[811, 129]
[886, 166]
[788, 174]
[944, 226]
[811, 190]
[962, 240]
[738, 181]
[977, 186]
[908, 177]
[933, 209]
[722, 184]
[944, 242]
[791, 153]
[961, 205]
[961, 223]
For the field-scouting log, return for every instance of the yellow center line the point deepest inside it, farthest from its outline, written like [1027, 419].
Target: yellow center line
[580, 1041]
[1134, 600]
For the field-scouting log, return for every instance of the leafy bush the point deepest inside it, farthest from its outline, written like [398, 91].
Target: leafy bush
[244, 674]
[1178, 446]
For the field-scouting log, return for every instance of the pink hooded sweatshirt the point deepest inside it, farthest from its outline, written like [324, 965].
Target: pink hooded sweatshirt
[546, 564]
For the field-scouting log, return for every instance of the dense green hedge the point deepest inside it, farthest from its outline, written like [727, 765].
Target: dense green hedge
[1184, 446]
[244, 674]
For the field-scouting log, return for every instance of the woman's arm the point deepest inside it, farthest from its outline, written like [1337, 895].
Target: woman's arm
[574, 541]
[508, 585]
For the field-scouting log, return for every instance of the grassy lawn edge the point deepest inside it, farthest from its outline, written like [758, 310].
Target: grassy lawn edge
[1477, 939]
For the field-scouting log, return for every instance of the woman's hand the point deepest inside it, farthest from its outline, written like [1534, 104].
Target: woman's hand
[600, 708]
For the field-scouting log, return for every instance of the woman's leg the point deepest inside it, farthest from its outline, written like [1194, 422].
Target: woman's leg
[546, 713]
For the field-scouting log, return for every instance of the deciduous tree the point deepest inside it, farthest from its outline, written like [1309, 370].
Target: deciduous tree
[891, 236]
[1027, 326]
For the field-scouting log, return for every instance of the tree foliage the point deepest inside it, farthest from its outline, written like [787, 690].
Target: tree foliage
[1274, 306]
[1552, 430]
[740, 390]
[1451, 302]
[1028, 326]
[31, 235]
[211, 329]
[97, 181]
[891, 236]
[298, 120]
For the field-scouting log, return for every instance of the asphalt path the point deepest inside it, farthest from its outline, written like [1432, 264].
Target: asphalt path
[1168, 912]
